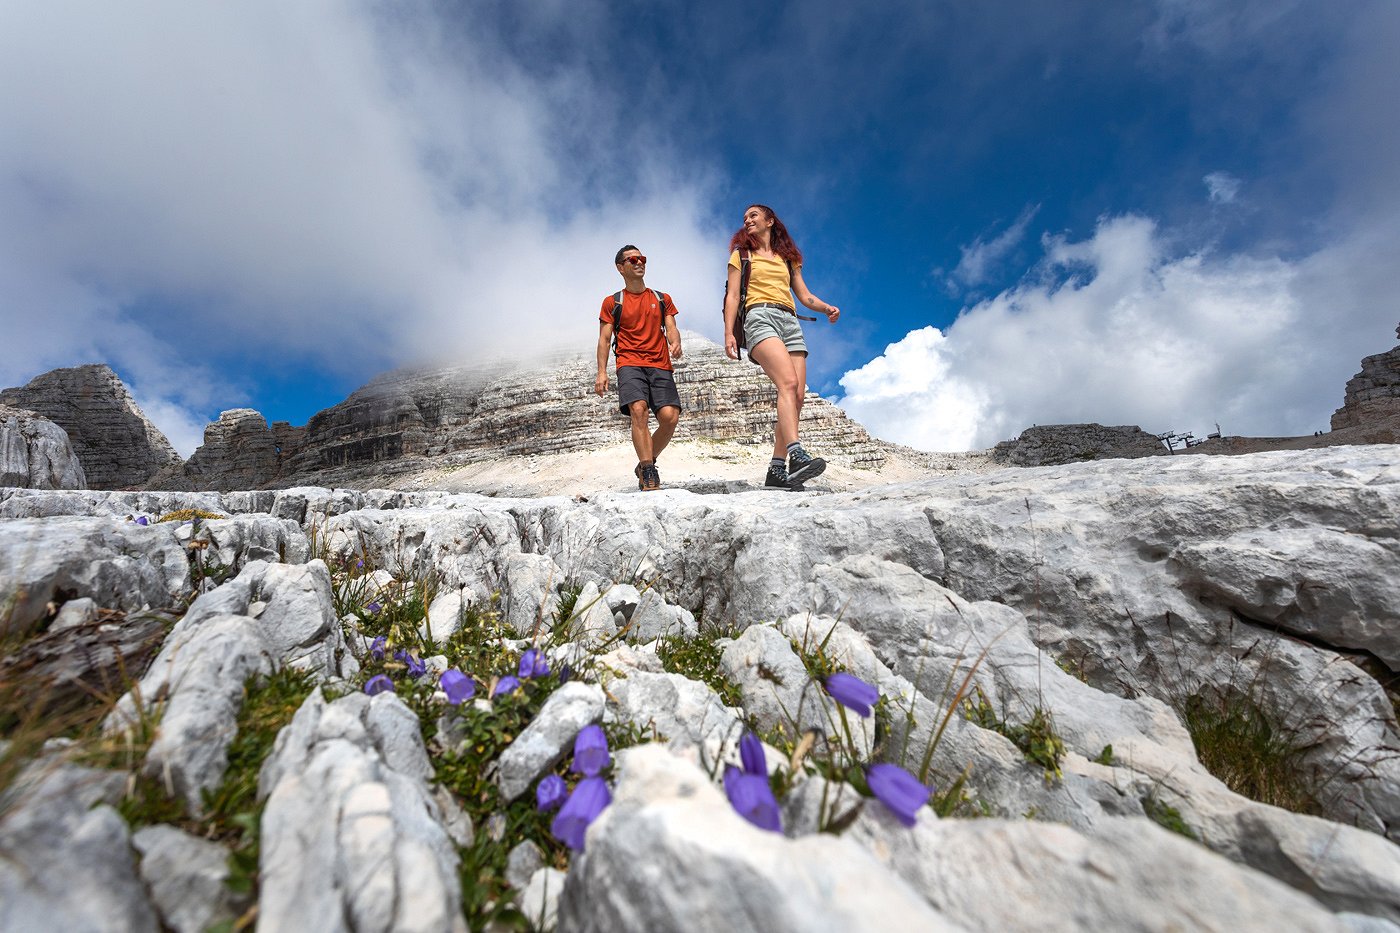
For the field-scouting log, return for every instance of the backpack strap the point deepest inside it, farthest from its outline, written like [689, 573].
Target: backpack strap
[744, 265]
[661, 303]
[617, 319]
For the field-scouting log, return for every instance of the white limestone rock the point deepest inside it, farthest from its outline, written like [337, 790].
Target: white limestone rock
[686, 714]
[1000, 875]
[670, 853]
[191, 696]
[295, 614]
[187, 878]
[528, 593]
[348, 840]
[779, 694]
[548, 737]
[652, 618]
[35, 453]
[539, 901]
[119, 564]
[67, 862]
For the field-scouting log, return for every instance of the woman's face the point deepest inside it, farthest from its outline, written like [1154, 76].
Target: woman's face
[756, 221]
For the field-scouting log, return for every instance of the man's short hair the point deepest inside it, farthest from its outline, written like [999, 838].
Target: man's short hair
[617, 261]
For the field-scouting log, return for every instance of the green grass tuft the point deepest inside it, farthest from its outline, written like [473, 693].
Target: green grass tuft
[1256, 757]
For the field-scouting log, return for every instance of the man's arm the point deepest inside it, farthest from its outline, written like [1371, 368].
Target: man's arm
[605, 330]
[673, 336]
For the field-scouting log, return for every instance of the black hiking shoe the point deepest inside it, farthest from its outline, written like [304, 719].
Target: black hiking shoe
[641, 483]
[802, 467]
[777, 478]
[650, 478]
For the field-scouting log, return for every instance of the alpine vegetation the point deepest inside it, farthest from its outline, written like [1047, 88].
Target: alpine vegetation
[899, 707]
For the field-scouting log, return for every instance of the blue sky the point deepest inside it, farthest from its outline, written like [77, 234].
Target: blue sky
[1172, 213]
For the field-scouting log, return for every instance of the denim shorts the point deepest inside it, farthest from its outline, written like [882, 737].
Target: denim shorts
[764, 321]
[657, 387]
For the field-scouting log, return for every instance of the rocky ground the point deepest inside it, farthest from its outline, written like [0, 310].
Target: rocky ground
[701, 466]
[1050, 648]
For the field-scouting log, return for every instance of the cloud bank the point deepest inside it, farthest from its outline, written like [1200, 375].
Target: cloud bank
[201, 194]
[1118, 330]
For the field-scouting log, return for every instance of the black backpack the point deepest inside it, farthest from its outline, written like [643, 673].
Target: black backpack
[617, 314]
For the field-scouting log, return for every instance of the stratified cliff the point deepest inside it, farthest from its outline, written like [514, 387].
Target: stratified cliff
[404, 420]
[117, 445]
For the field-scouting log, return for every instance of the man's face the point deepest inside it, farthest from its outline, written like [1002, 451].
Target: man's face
[633, 266]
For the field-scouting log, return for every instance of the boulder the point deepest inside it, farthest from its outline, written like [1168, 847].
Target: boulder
[67, 861]
[35, 453]
[669, 821]
[349, 839]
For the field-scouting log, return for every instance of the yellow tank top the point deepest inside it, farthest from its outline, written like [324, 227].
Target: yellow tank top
[768, 279]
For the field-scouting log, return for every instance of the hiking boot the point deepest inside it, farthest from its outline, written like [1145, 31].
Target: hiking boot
[777, 478]
[641, 483]
[802, 466]
[650, 478]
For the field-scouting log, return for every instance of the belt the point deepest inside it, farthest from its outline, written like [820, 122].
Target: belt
[777, 307]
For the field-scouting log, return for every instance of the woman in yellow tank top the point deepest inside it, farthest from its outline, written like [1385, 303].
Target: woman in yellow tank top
[771, 332]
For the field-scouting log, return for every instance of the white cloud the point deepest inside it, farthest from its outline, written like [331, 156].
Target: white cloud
[1120, 332]
[182, 427]
[1223, 187]
[980, 258]
[350, 186]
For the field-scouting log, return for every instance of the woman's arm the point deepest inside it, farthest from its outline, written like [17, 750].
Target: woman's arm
[731, 311]
[804, 295]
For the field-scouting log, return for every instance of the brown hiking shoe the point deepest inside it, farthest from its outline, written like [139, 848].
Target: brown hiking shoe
[650, 479]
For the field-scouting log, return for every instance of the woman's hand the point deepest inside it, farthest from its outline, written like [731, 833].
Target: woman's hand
[731, 347]
[832, 313]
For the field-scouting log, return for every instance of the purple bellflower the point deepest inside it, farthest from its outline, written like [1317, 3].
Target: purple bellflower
[752, 797]
[550, 792]
[373, 608]
[533, 664]
[582, 808]
[852, 692]
[376, 647]
[591, 751]
[416, 668]
[378, 684]
[506, 684]
[751, 754]
[899, 790]
[458, 686]
[142, 520]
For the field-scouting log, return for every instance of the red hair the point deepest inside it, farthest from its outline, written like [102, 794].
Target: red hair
[779, 238]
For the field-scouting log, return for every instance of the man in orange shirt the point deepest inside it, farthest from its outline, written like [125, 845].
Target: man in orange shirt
[644, 321]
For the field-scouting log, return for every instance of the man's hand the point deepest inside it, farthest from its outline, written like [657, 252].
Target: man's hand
[600, 385]
[675, 346]
[832, 313]
[731, 347]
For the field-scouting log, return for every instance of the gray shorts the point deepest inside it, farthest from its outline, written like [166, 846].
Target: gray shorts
[657, 387]
[764, 321]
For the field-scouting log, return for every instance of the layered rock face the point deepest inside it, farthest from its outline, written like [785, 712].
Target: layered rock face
[116, 444]
[35, 453]
[1052, 444]
[239, 452]
[468, 414]
[1099, 598]
[1373, 396]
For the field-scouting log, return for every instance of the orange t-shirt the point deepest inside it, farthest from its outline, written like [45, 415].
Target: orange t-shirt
[640, 339]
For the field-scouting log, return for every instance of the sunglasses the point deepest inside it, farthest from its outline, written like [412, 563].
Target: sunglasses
[635, 260]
